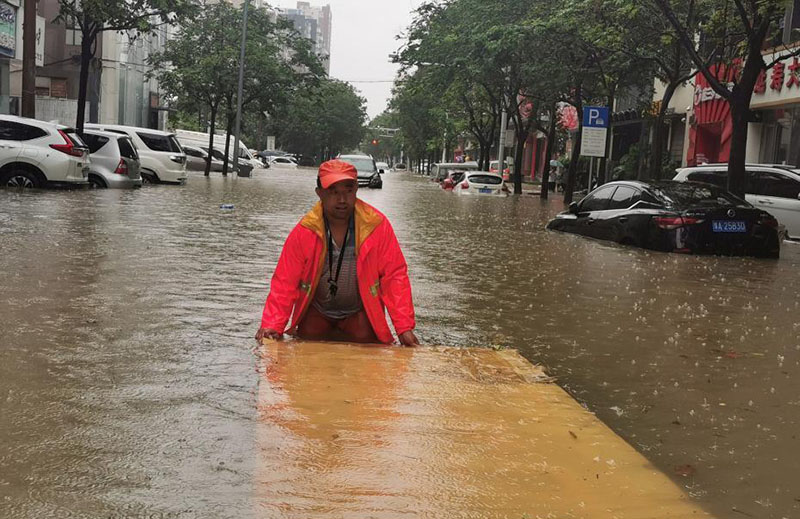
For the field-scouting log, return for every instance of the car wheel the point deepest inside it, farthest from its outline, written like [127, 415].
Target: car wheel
[149, 178]
[96, 183]
[21, 179]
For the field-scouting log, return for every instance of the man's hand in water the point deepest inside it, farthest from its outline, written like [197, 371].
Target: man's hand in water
[408, 339]
[268, 333]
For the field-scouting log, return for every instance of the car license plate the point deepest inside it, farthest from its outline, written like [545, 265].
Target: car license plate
[484, 190]
[728, 226]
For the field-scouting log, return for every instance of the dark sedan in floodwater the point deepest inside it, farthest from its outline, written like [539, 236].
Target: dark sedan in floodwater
[688, 217]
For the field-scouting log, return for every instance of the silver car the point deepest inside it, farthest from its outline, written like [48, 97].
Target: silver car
[115, 161]
[196, 158]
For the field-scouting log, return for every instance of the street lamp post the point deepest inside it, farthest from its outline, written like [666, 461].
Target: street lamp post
[239, 91]
[501, 146]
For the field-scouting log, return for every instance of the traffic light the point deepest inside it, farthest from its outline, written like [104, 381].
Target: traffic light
[374, 142]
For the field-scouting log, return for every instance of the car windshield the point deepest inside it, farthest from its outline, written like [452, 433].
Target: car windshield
[360, 163]
[684, 194]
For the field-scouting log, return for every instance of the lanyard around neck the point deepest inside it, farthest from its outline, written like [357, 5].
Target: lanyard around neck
[333, 282]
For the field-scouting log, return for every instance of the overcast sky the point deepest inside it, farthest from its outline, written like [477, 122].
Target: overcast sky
[363, 35]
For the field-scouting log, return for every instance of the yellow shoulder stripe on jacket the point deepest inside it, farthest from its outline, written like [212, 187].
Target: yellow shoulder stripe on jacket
[367, 220]
[314, 221]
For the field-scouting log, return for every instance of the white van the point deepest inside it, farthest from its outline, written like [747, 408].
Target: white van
[160, 153]
[773, 188]
[200, 139]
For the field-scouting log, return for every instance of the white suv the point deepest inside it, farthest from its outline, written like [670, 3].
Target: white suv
[773, 188]
[34, 153]
[160, 153]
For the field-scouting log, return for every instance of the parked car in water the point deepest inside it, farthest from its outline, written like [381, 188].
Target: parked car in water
[197, 157]
[383, 166]
[442, 170]
[160, 153]
[368, 173]
[283, 162]
[687, 217]
[268, 154]
[247, 161]
[481, 183]
[305, 161]
[115, 163]
[454, 176]
[245, 165]
[35, 153]
[494, 168]
[773, 188]
[400, 166]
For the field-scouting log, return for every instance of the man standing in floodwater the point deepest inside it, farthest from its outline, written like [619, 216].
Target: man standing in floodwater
[341, 269]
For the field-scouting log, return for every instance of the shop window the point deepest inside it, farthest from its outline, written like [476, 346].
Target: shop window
[780, 136]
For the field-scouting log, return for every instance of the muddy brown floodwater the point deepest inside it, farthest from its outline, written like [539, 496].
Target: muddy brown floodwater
[128, 384]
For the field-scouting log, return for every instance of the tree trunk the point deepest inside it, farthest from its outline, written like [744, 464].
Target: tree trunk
[642, 173]
[740, 109]
[483, 154]
[211, 131]
[657, 153]
[86, 59]
[548, 152]
[228, 130]
[740, 112]
[576, 149]
[519, 151]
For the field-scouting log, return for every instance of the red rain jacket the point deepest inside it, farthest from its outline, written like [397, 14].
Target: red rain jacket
[382, 273]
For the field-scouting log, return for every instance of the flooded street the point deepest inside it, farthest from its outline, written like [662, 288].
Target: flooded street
[128, 381]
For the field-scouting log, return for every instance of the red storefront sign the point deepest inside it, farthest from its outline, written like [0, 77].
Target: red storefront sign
[710, 135]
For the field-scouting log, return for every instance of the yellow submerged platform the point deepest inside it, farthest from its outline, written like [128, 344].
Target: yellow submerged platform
[371, 432]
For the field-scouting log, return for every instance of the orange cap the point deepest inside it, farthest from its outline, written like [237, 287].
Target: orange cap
[335, 171]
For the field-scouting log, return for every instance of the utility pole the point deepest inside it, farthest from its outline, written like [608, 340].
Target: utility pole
[29, 60]
[501, 146]
[239, 92]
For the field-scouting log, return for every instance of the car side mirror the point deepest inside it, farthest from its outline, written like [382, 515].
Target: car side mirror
[573, 208]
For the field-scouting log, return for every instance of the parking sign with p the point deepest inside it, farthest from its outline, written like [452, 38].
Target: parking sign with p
[594, 131]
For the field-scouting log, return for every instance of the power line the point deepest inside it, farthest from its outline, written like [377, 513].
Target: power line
[368, 80]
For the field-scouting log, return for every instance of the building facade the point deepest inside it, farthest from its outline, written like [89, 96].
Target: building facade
[701, 124]
[118, 89]
[314, 23]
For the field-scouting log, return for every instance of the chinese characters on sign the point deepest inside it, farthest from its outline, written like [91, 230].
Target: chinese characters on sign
[793, 79]
[761, 83]
[777, 77]
[783, 74]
